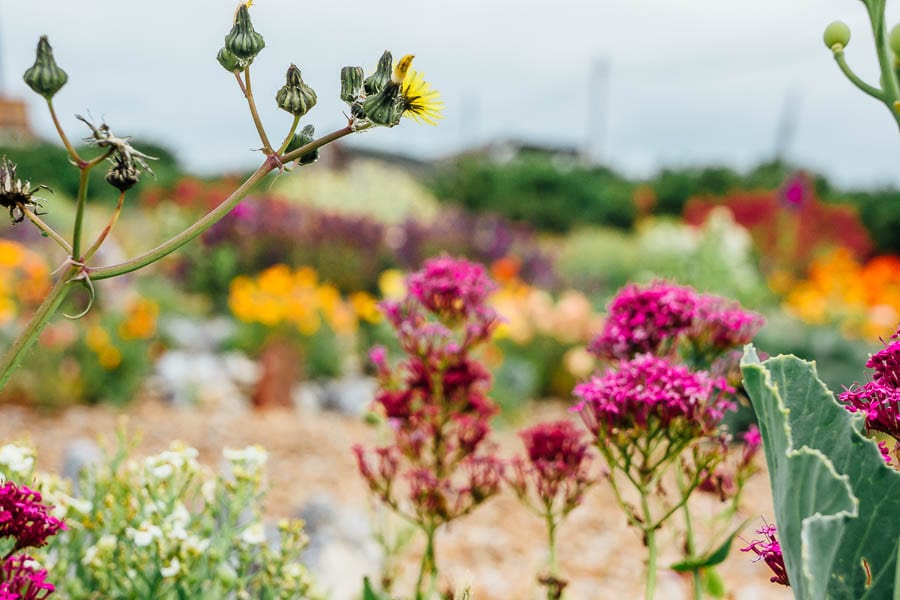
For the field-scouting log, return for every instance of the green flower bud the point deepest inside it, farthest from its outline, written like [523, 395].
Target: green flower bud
[382, 75]
[230, 62]
[385, 107]
[894, 40]
[305, 136]
[243, 41]
[295, 97]
[351, 84]
[45, 77]
[837, 35]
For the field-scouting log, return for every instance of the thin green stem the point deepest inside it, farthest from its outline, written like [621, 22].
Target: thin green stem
[871, 90]
[690, 549]
[290, 136]
[650, 541]
[79, 162]
[13, 357]
[248, 92]
[207, 221]
[109, 226]
[43, 226]
[885, 60]
[215, 215]
[428, 565]
[79, 212]
[551, 542]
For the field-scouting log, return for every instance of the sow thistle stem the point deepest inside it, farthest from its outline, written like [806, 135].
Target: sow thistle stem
[243, 43]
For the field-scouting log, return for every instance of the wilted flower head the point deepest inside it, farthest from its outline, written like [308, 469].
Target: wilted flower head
[127, 162]
[648, 390]
[22, 578]
[769, 550]
[16, 194]
[645, 319]
[556, 466]
[24, 518]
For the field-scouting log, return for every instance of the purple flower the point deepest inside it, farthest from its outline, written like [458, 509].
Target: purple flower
[450, 287]
[21, 578]
[769, 550]
[645, 320]
[648, 391]
[752, 443]
[885, 452]
[24, 518]
[879, 403]
[796, 191]
[886, 364]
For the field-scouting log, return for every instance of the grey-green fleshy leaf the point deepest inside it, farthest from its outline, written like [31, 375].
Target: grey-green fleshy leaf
[836, 502]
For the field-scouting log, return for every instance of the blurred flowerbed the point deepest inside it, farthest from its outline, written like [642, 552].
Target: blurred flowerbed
[292, 280]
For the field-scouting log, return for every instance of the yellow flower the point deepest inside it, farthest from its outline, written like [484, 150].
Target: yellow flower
[141, 321]
[392, 284]
[365, 306]
[420, 103]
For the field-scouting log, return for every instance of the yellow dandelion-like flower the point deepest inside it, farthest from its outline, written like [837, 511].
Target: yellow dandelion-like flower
[420, 102]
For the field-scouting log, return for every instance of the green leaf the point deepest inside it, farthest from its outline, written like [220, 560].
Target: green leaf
[836, 502]
[710, 559]
[713, 584]
[369, 592]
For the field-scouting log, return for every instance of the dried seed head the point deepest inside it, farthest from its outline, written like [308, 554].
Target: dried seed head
[16, 194]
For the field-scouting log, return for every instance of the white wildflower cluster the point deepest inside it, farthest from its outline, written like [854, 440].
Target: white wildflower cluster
[168, 519]
[16, 463]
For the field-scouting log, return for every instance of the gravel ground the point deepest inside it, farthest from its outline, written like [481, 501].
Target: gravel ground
[497, 549]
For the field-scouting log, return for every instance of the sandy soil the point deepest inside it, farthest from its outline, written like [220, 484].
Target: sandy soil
[497, 549]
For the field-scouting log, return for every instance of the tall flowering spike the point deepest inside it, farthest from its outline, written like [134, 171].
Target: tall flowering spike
[645, 320]
[243, 41]
[24, 518]
[769, 550]
[450, 287]
[45, 77]
[556, 466]
[649, 390]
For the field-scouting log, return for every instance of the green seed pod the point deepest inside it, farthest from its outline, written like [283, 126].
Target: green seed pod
[243, 41]
[295, 97]
[45, 77]
[351, 84]
[837, 35]
[305, 136]
[385, 107]
[382, 75]
[230, 62]
[894, 40]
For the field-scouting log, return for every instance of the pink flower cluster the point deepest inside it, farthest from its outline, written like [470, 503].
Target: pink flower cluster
[652, 391]
[769, 550]
[24, 518]
[436, 400]
[879, 399]
[22, 579]
[557, 466]
[653, 319]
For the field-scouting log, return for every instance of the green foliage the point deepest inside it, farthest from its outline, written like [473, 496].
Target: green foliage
[880, 213]
[836, 501]
[539, 190]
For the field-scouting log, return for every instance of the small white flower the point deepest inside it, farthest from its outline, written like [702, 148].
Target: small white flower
[252, 458]
[195, 545]
[254, 535]
[208, 490]
[172, 569]
[19, 460]
[144, 535]
[89, 556]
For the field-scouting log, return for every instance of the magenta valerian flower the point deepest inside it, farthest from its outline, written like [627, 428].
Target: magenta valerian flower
[879, 403]
[21, 578]
[720, 324]
[556, 468]
[24, 518]
[651, 391]
[450, 287]
[644, 320]
[769, 550]
[886, 364]
[885, 452]
[752, 443]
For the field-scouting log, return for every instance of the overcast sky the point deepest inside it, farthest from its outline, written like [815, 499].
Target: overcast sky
[689, 81]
